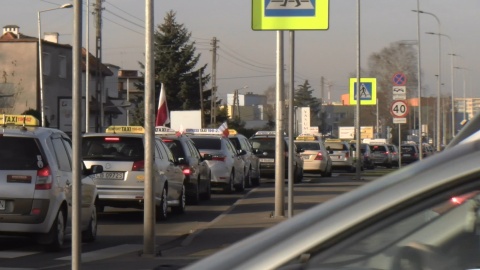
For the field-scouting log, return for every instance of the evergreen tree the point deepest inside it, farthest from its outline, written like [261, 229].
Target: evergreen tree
[175, 66]
[304, 98]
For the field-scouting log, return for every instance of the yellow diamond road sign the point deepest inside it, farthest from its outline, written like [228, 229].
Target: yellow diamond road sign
[290, 14]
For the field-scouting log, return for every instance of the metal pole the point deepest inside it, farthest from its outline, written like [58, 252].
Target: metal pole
[357, 118]
[400, 147]
[279, 140]
[128, 101]
[149, 194]
[378, 127]
[40, 67]
[77, 136]
[290, 125]
[87, 70]
[419, 80]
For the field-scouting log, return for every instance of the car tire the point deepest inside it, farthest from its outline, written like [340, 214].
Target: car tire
[207, 195]
[162, 209]
[180, 208]
[240, 187]
[90, 234]
[194, 197]
[57, 233]
[248, 178]
[229, 187]
[329, 174]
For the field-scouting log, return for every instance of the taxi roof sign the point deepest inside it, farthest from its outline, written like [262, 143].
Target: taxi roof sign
[18, 120]
[232, 131]
[162, 130]
[203, 131]
[125, 129]
[306, 137]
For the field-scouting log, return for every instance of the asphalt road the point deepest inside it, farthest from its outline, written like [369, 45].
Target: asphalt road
[120, 231]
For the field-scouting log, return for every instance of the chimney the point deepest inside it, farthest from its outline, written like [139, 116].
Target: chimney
[51, 37]
[15, 29]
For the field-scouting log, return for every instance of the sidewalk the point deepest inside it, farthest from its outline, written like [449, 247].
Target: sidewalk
[246, 217]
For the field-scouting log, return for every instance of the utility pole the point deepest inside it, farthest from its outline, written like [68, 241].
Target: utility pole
[236, 105]
[213, 113]
[98, 74]
[202, 110]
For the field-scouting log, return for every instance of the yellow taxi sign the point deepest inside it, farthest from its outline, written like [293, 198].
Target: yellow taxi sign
[290, 15]
[306, 137]
[161, 130]
[333, 140]
[232, 131]
[18, 120]
[125, 129]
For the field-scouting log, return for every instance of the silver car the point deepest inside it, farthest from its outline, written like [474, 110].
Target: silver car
[121, 153]
[252, 163]
[423, 216]
[36, 183]
[226, 165]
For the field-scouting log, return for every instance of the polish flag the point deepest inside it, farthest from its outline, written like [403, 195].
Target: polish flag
[162, 113]
[224, 129]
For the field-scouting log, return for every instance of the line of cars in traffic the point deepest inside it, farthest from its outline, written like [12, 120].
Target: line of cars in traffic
[36, 171]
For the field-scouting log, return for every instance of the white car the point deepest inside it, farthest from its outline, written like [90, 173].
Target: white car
[315, 156]
[36, 183]
[121, 153]
[226, 165]
[423, 216]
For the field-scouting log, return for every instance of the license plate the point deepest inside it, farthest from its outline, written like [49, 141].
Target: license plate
[267, 160]
[406, 155]
[2, 204]
[110, 175]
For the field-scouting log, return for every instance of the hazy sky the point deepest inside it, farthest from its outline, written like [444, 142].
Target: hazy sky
[248, 58]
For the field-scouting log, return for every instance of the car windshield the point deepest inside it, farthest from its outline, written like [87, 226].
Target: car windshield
[208, 143]
[113, 148]
[20, 154]
[308, 145]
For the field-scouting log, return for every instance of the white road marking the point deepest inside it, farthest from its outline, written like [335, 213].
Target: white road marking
[106, 253]
[15, 254]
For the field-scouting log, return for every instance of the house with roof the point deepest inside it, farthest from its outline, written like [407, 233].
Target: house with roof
[20, 81]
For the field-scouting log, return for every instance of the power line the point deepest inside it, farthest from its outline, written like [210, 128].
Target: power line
[140, 19]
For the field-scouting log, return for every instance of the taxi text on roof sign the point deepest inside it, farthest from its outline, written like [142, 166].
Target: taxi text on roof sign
[232, 131]
[125, 129]
[164, 130]
[203, 131]
[18, 120]
[290, 15]
[307, 137]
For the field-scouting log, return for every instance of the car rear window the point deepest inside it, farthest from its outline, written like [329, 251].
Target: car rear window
[408, 149]
[336, 146]
[113, 148]
[236, 143]
[176, 148]
[20, 154]
[378, 148]
[263, 144]
[308, 146]
[208, 143]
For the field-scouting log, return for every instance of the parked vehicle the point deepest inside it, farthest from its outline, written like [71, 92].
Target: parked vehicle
[226, 166]
[314, 154]
[341, 154]
[252, 163]
[393, 149]
[366, 154]
[194, 166]
[36, 183]
[410, 153]
[263, 143]
[120, 150]
[381, 155]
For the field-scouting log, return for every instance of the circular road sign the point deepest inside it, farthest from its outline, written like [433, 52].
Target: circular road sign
[399, 79]
[399, 109]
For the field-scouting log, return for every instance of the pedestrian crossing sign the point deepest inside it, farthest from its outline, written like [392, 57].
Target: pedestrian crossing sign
[368, 91]
[290, 14]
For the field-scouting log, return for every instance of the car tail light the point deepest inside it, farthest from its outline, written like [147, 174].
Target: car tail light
[112, 139]
[44, 179]
[347, 155]
[219, 158]
[138, 165]
[186, 171]
[319, 156]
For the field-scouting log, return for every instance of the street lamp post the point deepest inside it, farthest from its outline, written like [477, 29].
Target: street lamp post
[452, 54]
[464, 94]
[439, 75]
[40, 58]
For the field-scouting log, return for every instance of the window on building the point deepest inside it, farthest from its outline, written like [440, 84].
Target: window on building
[46, 63]
[62, 73]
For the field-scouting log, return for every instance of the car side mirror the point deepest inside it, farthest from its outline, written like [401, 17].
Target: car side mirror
[207, 157]
[241, 152]
[181, 161]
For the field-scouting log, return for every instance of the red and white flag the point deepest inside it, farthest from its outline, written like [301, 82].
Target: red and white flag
[224, 129]
[163, 117]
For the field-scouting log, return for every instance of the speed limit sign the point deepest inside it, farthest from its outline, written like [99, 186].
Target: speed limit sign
[399, 109]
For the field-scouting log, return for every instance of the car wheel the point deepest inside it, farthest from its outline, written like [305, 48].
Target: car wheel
[180, 209]
[241, 187]
[329, 174]
[161, 210]
[57, 233]
[229, 187]
[90, 234]
[208, 191]
[296, 176]
[194, 197]
[248, 178]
